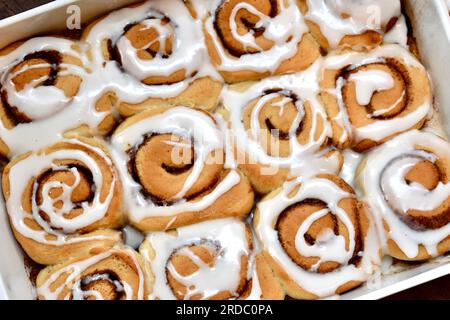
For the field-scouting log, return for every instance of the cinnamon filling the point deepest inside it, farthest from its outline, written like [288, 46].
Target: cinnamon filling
[246, 22]
[188, 260]
[52, 58]
[162, 164]
[106, 282]
[147, 41]
[428, 175]
[83, 192]
[291, 219]
[276, 118]
[383, 105]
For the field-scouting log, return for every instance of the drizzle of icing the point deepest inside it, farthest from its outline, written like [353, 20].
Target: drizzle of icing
[189, 53]
[75, 270]
[286, 30]
[383, 180]
[305, 86]
[230, 237]
[378, 130]
[59, 226]
[181, 121]
[326, 284]
[364, 15]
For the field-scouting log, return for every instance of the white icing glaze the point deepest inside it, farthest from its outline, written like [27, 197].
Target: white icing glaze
[58, 113]
[398, 34]
[75, 271]
[305, 86]
[188, 53]
[370, 81]
[329, 246]
[380, 129]
[226, 236]
[351, 162]
[364, 15]
[181, 121]
[58, 225]
[285, 29]
[383, 182]
[36, 102]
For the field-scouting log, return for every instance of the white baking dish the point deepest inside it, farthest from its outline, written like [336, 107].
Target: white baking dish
[431, 24]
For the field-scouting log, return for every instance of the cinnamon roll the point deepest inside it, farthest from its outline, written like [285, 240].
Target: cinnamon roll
[406, 183]
[41, 94]
[157, 49]
[250, 40]
[317, 237]
[353, 24]
[279, 129]
[189, 263]
[172, 163]
[373, 97]
[119, 273]
[63, 201]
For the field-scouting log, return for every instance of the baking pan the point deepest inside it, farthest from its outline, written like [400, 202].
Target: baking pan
[431, 24]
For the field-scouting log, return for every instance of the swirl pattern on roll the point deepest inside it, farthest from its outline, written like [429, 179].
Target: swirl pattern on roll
[64, 200]
[317, 237]
[190, 262]
[249, 40]
[119, 273]
[279, 129]
[355, 24]
[172, 163]
[160, 48]
[41, 84]
[406, 183]
[373, 97]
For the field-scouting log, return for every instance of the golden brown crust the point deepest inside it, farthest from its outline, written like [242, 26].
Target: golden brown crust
[98, 234]
[288, 224]
[359, 42]
[200, 93]
[307, 49]
[411, 89]
[151, 165]
[428, 175]
[121, 266]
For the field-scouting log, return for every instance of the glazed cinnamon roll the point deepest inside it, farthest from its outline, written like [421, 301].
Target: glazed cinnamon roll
[189, 263]
[41, 94]
[119, 273]
[317, 237]
[157, 49]
[250, 40]
[279, 129]
[373, 97]
[406, 183]
[172, 163]
[354, 24]
[64, 200]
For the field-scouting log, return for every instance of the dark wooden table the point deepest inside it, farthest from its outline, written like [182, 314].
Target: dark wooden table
[438, 289]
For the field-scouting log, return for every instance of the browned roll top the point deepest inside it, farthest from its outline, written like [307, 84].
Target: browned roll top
[146, 40]
[246, 22]
[428, 175]
[163, 175]
[40, 64]
[105, 282]
[84, 192]
[207, 252]
[380, 105]
[291, 219]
